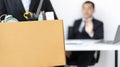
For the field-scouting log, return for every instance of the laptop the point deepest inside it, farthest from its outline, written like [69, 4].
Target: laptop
[116, 40]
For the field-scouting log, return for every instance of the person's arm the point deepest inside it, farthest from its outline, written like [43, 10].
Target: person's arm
[94, 29]
[2, 7]
[48, 7]
[99, 32]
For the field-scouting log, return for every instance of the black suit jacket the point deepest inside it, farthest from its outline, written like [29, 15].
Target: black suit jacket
[84, 57]
[98, 30]
[15, 8]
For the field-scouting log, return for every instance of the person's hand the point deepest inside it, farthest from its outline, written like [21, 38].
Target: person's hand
[89, 27]
[68, 54]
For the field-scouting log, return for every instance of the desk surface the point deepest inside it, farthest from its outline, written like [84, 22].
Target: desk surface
[85, 45]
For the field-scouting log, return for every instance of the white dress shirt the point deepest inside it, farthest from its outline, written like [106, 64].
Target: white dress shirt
[83, 25]
[26, 4]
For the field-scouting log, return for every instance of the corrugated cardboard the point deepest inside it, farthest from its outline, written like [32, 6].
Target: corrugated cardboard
[32, 44]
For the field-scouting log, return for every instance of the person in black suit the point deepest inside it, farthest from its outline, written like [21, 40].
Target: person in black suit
[86, 28]
[18, 7]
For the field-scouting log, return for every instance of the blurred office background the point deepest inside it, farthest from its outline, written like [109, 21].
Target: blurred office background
[107, 11]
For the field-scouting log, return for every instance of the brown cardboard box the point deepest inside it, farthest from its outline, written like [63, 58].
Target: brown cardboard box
[32, 44]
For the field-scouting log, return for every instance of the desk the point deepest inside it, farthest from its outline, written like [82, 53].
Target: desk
[90, 45]
[85, 45]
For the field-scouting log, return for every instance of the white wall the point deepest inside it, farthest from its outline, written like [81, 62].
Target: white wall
[106, 10]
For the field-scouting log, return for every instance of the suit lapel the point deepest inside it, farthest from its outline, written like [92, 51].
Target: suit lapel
[95, 25]
[20, 6]
[33, 3]
[78, 24]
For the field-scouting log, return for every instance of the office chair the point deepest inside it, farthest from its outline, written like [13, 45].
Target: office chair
[97, 54]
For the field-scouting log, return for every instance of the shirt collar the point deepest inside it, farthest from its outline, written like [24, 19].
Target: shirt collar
[91, 18]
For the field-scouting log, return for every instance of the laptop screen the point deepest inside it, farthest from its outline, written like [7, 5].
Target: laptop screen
[117, 37]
